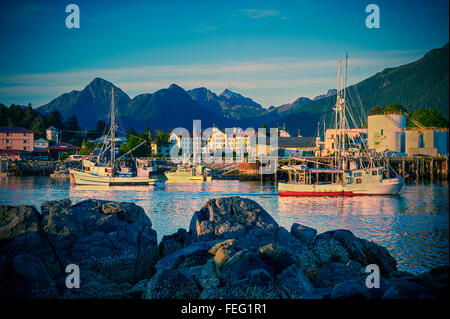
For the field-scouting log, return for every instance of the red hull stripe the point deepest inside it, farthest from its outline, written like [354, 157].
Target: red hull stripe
[290, 193]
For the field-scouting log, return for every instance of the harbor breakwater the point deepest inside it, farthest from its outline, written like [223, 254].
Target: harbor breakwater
[35, 168]
[232, 249]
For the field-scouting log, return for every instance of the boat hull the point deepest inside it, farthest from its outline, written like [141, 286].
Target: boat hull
[84, 178]
[390, 186]
[186, 178]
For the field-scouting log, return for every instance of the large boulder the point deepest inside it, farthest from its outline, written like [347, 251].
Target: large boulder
[332, 274]
[193, 255]
[362, 251]
[238, 266]
[229, 217]
[276, 256]
[304, 233]
[294, 282]
[113, 244]
[223, 251]
[329, 250]
[171, 243]
[20, 230]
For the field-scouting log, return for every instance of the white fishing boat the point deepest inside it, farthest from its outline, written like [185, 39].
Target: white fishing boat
[108, 173]
[189, 172]
[347, 176]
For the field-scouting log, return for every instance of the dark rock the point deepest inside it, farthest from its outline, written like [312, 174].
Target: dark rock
[304, 233]
[332, 274]
[276, 257]
[352, 289]
[380, 256]
[229, 217]
[436, 279]
[318, 293]
[208, 277]
[294, 282]
[329, 250]
[246, 289]
[238, 266]
[171, 284]
[31, 279]
[193, 255]
[363, 251]
[354, 265]
[173, 242]
[223, 251]
[20, 230]
[255, 237]
[406, 289]
[259, 276]
[112, 243]
[139, 289]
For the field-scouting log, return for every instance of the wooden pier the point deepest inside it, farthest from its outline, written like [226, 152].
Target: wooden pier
[417, 168]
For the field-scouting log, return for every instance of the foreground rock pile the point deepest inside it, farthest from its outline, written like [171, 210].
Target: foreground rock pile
[113, 244]
[233, 249]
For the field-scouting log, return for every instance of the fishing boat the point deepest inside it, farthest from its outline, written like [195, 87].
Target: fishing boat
[107, 171]
[146, 167]
[189, 172]
[348, 175]
[60, 172]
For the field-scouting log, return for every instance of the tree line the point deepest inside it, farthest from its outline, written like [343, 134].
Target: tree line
[426, 116]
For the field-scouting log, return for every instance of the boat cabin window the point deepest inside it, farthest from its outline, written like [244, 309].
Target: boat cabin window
[374, 173]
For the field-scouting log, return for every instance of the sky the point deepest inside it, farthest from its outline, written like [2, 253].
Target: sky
[271, 51]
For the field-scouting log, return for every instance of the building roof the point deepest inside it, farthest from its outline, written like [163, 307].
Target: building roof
[63, 146]
[296, 142]
[11, 152]
[14, 129]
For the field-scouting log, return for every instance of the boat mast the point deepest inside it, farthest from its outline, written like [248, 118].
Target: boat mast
[337, 150]
[113, 133]
[343, 125]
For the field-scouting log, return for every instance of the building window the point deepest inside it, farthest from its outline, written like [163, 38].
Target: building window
[8, 134]
[25, 148]
[25, 134]
[25, 141]
[8, 141]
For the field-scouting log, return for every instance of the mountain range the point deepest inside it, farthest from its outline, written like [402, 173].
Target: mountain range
[420, 84]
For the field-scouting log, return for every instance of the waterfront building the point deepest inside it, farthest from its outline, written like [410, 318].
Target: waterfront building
[40, 144]
[386, 133]
[296, 146]
[161, 148]
[61, 148]
[426, 141]
[357, 136]
[16, 138]
[52, 134]
[184, 143]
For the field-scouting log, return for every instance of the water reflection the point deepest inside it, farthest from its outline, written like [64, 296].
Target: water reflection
[413, 225]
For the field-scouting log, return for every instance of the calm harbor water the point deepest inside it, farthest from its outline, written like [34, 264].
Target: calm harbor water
[413, 226]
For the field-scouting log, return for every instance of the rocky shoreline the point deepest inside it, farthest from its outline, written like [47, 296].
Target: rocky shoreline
[233, 249]
[37, 168]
